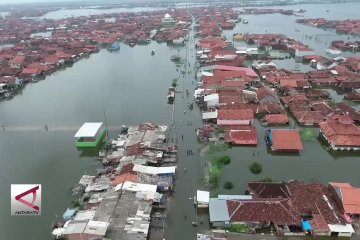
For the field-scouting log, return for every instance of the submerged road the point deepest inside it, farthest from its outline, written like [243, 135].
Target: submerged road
[190, 173]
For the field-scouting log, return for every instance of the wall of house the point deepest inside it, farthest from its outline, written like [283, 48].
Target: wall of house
[234, 122]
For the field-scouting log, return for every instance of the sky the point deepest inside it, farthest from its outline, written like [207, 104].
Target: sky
[31, 1]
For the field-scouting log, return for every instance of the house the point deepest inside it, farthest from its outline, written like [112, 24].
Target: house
[235, 117]
[275, 119]
[278, 211]
[218, 213]
[348, 197]
[202, 199]
[349, 85]
[30, 72]
[265, 95]
[212, 100]
[17, 61]
[290, 207]
[241, 135]
[325, 64]
[309, 118]
[84, 229]
[268, 190]
[284, 140]
[341, 135]
[295, 98]
[345, 109]
[168, 21]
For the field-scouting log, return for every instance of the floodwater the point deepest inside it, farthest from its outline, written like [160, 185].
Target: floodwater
[67, 13]
[130, 86]
[41, 34]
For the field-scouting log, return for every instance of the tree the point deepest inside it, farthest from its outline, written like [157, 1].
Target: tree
[255, 168]
[228, 185]
[225, 160]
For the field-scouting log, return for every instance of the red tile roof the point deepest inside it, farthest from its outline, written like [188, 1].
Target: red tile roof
[315, 198]
[349, 196]
[268, 190]
[123, 178]
[235, 114]
[341, 134]
[294, 98]
[242, 135]
[19, 59]
[309, 117]
[286, 140]
[279, 212]
[248, 71]
[276, 119]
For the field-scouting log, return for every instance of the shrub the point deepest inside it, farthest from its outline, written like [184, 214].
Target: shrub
[214, 174]
[307, 134]
[267, 179]
[238, 228]
[255, 168]
[228, 185]
[225, 160]
[219, 162]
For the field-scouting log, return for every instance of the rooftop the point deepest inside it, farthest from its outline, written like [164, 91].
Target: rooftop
[88, 129]
[286, 139]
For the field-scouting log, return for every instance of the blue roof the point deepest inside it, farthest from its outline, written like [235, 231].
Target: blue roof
[306, 225]
[269, 135]
[68, 214]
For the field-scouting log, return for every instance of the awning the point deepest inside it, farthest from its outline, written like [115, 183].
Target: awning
[341, 228]
[202, 196]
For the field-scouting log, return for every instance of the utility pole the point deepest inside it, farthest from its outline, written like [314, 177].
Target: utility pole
[107, 130]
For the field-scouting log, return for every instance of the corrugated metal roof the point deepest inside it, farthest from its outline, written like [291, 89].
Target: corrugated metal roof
[218, 210]
[88, 129]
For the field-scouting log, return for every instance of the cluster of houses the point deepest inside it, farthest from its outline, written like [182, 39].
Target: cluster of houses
[260, 11]
[232, 95]
[128, 197]
[289, 208]
[210, 21]
[346, 46]
[348, 26]
[33, 57]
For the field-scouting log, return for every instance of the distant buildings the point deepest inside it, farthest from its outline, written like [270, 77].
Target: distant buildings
[168, 21]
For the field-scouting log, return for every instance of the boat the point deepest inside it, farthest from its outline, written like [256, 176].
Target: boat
[171, 95]
[175, 58]
[152, 52]
[90, 134]
[245, 21]
[114, 47]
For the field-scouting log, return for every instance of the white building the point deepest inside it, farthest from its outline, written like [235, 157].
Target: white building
[168, 21]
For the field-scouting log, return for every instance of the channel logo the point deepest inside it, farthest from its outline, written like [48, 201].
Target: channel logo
[26, 199]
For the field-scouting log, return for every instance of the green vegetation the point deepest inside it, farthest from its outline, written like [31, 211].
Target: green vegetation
[216, 147]
[267, 179]
[76, 203]
[255, 168]
[307, 134]
[221, 161]
[238, 228]
[228, 185]
[174, 83]
[214, 174]
[218, 131]
[217, 165]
